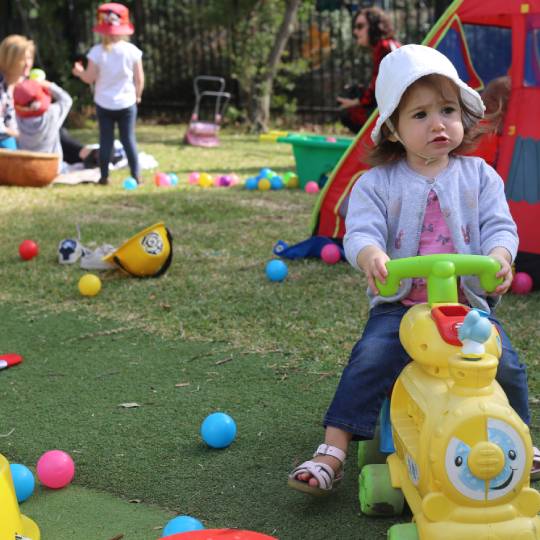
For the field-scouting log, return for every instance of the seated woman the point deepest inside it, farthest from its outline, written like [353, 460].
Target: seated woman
[16, 57]
[372, 29]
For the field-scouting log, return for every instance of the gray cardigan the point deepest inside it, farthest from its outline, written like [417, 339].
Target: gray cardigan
[387, 205]
[42, 133]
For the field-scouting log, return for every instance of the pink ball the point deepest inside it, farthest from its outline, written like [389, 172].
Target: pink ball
[234, 178]
[311, 187]
[224, 181]
[330, 254]
[161, 179]
[55, 469]
[194, 178]
[522, 283]
[331, 139]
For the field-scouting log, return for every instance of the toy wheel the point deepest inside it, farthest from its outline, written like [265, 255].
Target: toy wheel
[369, 453]
[403, 531]
[376, 494]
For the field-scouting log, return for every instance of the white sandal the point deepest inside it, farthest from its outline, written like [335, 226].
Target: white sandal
[327, 478]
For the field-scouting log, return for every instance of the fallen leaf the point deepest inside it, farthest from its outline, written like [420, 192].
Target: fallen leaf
[130, 405]
[181, 384]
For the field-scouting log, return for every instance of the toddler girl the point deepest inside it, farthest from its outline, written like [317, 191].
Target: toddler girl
[421, 198]
[115, 66]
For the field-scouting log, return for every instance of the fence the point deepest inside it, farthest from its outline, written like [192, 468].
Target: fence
[178, 45]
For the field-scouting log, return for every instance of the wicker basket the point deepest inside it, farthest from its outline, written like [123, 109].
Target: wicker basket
[31, 169]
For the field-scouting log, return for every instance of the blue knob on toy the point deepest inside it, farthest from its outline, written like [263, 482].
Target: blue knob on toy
[218, 430]
[182, 524]
[475, 327]
[276, 270]
[23, 481]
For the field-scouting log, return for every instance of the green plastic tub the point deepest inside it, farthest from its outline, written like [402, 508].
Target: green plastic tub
[315, 155]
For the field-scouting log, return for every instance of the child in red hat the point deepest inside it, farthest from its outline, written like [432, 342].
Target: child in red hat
[39, 117]
[115, 69]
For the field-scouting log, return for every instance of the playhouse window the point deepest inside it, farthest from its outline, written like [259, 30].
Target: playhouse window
[532, 57]
[490, 61]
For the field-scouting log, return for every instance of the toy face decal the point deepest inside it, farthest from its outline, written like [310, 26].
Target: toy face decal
[459, 473]
[509, 441]
[510, 473]
[152, 243]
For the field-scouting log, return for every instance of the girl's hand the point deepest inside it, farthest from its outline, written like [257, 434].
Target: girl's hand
[503, 257]
[78, 69]
[372, 260]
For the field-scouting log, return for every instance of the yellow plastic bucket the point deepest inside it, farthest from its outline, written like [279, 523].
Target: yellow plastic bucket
[147, 254]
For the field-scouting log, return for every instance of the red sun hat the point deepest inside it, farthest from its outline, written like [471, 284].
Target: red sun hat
[31, 99]
[113, 20]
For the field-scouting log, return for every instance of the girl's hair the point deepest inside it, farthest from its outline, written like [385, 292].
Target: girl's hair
[108, 41]
[495, 97]
[387, 151]
[12, 52]
[379, 24]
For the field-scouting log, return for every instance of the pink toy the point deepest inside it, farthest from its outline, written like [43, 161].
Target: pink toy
[161, 179]
[330, 254]
[223, 181]
[234, 178]
[311, 187]
[194, 178]
[55, 469]
[522, 283]
[331, 139]
[28, 249]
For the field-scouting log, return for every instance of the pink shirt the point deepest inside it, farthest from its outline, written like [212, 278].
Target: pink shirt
[435, 238]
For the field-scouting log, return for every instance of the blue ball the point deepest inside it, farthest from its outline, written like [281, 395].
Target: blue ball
[264, 172]
[130, 183]
[181, 524]
[276, 182]
[218, 430]
[23, 480]
[276, 270]
[173, 179]
[251, 183]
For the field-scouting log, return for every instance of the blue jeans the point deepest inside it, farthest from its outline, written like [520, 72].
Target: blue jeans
[378, 358]
[126, 119]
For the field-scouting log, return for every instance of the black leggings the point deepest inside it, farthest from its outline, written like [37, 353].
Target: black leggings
[70, 147]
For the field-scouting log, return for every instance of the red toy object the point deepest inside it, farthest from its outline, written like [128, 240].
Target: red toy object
[9, 359]
[219, 534]
[28, 249]
[522, 283]
[330, 254]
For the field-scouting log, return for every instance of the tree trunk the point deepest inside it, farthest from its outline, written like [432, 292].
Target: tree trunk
[260, 110]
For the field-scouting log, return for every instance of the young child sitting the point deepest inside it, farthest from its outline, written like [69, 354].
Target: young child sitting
[39, 118]
[422, 197]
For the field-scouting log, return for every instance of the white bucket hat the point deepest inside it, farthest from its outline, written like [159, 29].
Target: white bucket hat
[407, 64]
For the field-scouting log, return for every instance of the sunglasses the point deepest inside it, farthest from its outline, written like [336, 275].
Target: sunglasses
[359, 26]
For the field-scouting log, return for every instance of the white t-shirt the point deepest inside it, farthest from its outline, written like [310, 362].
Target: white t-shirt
[115, 85]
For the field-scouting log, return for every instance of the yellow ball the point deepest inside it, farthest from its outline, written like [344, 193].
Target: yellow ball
[205, 180]
[89, 285]
[293, 182]
[264, 184]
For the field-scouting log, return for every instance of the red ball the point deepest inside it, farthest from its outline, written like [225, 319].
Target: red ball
[330, 254]
[522, 283]
[28, 249]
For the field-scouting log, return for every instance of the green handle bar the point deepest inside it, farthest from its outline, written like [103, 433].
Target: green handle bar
[441, 272]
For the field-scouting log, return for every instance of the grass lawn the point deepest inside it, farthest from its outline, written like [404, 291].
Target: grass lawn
[212, 334]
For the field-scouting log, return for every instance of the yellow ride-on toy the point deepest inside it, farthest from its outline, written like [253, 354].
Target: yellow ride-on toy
[462, 455]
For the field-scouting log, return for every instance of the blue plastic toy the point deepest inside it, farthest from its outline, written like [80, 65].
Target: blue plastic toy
[218, 430]
[276, 270]
[251, 183]
[182, 524]
[173, 179]
[276, 182]
[23, 481]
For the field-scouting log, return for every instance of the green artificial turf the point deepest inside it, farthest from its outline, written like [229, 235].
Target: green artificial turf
[212, 334]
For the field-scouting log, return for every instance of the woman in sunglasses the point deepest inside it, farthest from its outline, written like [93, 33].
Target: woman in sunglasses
[372, 29]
